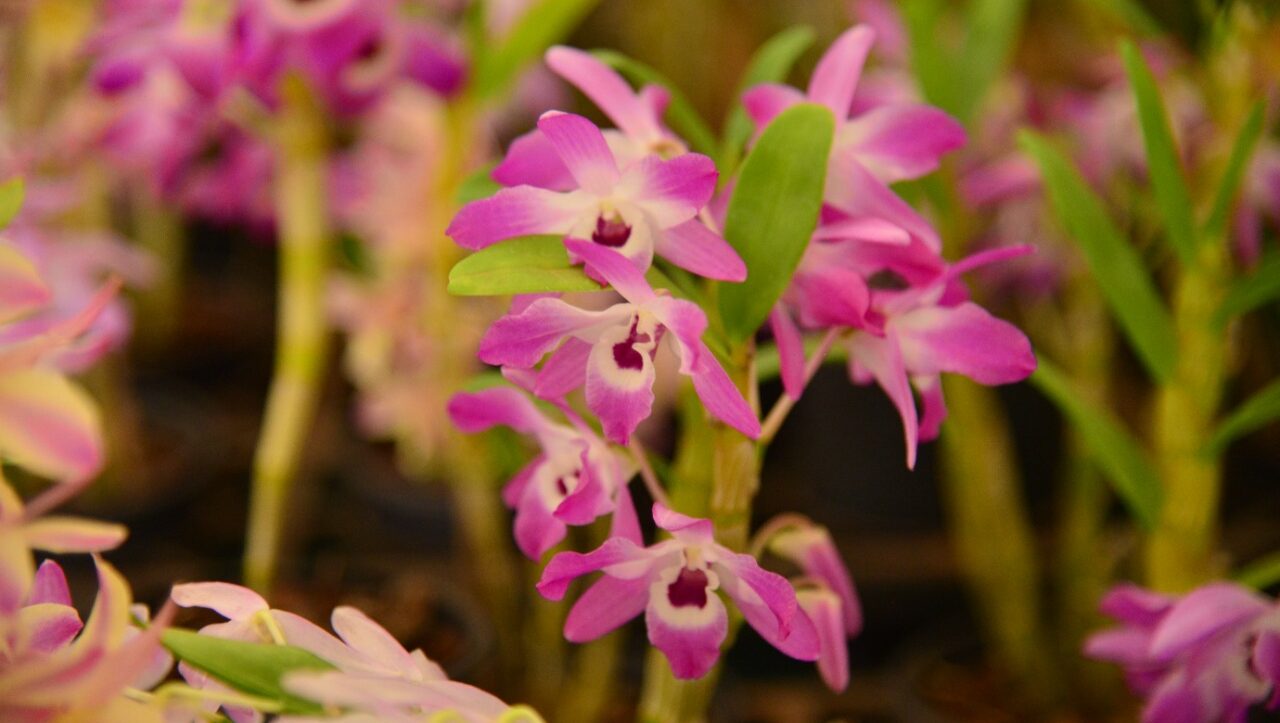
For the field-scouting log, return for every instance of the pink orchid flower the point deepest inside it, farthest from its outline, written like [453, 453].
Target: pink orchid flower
[825, 594]
[1211, 654]
[675, 584]
[575, 479]
[532, 159]
[649, 206]
[86, 678]
[48, 425]
[611, 351]
[20, 534]
[45, 621]
[892, 142]
[373, 669]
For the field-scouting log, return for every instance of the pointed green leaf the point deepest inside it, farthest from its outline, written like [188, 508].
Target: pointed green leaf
[771, 64]
[1164, 165]
[252, 668]
[1131, 13]
[1119, 456]
[993, 27]
[528, 265]
[1261, 286]
[1241, 153]
[773, 212]
[543, 24]
[1117, 268]
[1261, 573]
[1258, 411]
[11, 195]
[683, 118]
[933, 63]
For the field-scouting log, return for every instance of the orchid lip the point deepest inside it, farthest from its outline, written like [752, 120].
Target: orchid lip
[611, 232]
[689, 589]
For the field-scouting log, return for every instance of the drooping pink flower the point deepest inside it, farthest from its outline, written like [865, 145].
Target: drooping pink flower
[575, 479]
[893, 142]
[825, 594]
[676, 584]
[646, 207]
[1209, 655]
[611, 351]
[533, 160]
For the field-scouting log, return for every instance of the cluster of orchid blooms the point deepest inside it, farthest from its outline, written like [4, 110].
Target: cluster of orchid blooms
[178, 89]
[113, 666]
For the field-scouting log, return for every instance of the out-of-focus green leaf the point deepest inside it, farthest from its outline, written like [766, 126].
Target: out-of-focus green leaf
[528, 265]
[771, 63]
[993, 28]
[932, 63]
[1131, 13]
[1163, 162]
[1119, 456]
[1258, 411]
[1117, 268]
[252, 668]
[543, 24]
[681, 115]
[478, 185]
[1260, 574]
[773, 212]
[1261, 286]
[11, 195]
[1229, 186]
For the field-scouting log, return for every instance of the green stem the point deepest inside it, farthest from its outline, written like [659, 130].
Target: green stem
[301, 202]
[991, 532]
[158, 229]
[1181, 550]
[735, 477]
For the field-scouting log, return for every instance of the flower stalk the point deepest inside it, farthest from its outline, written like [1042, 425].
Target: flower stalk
[305, 232]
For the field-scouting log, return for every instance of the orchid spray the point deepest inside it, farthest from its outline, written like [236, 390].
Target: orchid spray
[805, 236]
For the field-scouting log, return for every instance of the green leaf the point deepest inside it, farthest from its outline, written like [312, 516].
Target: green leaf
[1260, 574]
[1261, 286]
[773, 212]
[478, 185]
[683, 118]
[1163, 162]
[1117, 268]
[1131, 13]
[1119, 456]
[1241, 152]
[771, 64]
[543, 24]
[11, 195]
[1258, 411]
[993, 28]
[932, 63]
[527, 265]
[253, 668]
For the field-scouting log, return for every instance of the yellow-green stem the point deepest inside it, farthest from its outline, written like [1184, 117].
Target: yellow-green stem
[990, 530]
[1181, 550]
[158, 229]
[304, 232]
[735, 477]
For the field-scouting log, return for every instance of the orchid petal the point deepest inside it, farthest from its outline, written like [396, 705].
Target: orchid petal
[835, 79]
[964, 339]
[70, 534]
[851, 188]
[588, 500]
[537, 529]
[365, 636]
[531, 160]
[618, 392]
[865, 229]
[689, 636]
[520, 340]
[514, 212]
[670, 191]
[582, 148]
[721, 396]
[625, 523]
[1135, 605]
[564, 371]
[622, 558]
[21, 289]
[17, 570]
[902, 142]
[479, 411]
[1201, 613]
[686, 529]
[46, 627]
[1266, 656]
[50, 585]
[48, 425]
[933, 403]
[883, 360]
[302, 633]
[605, 606]
[812, 548]
[232, 602]
[766, 101]
[607, 90]
[687, 323]
[614, 268]
[823, 608]
[768, 602]
[786, 336]
[696, 248]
